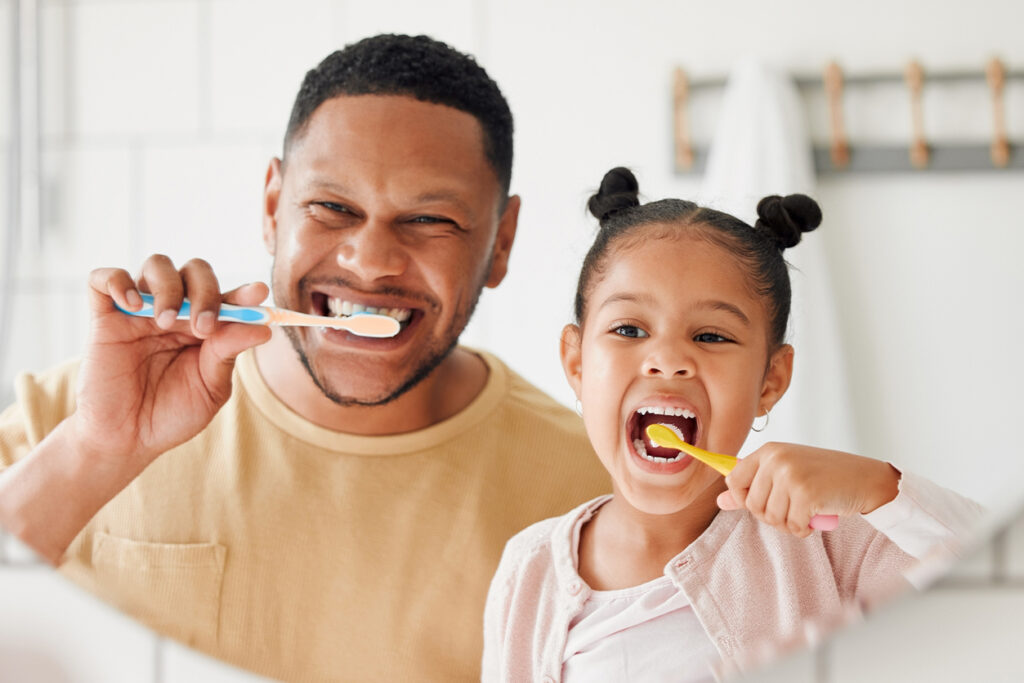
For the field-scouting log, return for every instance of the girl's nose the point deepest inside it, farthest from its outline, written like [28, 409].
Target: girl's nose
[372, 251]
[669, 362]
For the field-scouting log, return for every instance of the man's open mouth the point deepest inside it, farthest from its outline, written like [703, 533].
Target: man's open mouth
[336, 307]
[683, 420]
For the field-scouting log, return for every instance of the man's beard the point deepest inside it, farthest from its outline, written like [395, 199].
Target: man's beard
[434, 357]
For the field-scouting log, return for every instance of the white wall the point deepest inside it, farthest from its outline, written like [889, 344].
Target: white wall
[160, 116]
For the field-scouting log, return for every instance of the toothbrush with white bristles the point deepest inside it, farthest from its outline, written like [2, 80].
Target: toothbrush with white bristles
[361, 324]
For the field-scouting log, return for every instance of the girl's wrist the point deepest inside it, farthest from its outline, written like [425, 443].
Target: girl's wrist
[885, 486]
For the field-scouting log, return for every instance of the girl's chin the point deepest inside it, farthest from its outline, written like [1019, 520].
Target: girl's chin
[658, 502]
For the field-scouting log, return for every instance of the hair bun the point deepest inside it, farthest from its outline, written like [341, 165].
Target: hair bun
[787, 218]
[619, 190]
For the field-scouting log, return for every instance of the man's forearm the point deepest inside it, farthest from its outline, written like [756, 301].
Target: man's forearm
[48, 497]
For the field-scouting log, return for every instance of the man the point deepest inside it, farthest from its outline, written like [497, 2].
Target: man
[328, 506]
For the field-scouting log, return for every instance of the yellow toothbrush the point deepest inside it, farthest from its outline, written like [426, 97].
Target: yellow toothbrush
[667, 437]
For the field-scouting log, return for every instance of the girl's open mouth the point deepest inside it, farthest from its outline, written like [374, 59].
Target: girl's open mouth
[684, 421]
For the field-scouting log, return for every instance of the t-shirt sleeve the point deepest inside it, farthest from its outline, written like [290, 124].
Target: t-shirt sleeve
[42, 401]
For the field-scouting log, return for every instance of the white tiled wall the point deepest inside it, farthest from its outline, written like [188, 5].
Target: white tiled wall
[159, 117]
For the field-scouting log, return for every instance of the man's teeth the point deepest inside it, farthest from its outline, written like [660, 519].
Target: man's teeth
[340, 307]
[658, 410]
[641, 450]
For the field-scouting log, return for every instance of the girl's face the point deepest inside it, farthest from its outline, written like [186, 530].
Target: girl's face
[674, 335]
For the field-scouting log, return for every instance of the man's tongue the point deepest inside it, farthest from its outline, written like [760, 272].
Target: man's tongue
[686, 426]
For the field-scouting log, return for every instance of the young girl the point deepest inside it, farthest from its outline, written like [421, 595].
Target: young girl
[681, 575]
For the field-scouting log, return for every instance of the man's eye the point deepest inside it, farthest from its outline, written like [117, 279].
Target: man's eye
[710, 338]
[430, 220]
[331, 206]
[631, 331]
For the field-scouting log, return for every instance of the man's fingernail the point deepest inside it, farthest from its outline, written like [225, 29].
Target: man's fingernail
[167, 318]
[205, 322]
[133, 298]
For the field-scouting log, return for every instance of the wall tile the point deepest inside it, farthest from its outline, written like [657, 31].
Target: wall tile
[49, 326]
[134, 67]
[6, 66]
[51, 632]
[942, 636]
[182, 665]
[264, 49]
[456, 22]
[87, 211]
[56, 72]
[205, 201]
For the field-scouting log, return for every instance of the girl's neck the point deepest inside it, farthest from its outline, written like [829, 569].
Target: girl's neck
[622, 547]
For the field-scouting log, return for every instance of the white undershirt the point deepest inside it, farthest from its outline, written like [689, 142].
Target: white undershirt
[643, 633]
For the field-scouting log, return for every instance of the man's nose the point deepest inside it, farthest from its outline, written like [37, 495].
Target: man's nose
[371, 251]
[670, 360]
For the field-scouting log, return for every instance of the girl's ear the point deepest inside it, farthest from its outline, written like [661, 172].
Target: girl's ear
[571, 352]
[777, 377]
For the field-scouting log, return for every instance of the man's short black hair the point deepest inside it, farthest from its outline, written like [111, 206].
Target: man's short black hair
[417, 66]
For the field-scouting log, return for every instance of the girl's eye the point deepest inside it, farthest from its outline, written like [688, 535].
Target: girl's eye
[710, 338]
[630, 331]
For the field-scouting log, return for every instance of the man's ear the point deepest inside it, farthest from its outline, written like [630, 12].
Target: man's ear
[570, 350]
[503, 241]
[271, 196]
[777, 377]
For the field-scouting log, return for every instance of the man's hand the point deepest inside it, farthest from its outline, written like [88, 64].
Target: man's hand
[147, 385]
[144, 386]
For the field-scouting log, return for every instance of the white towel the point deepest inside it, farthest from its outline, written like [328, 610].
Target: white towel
[762, 146]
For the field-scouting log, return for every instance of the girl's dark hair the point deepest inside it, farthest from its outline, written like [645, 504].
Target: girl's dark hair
[780, 224]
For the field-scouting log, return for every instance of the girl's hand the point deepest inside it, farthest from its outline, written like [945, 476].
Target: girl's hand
[784, 485]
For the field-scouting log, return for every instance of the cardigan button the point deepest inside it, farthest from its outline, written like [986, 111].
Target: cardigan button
[575, 587]
[549, 679]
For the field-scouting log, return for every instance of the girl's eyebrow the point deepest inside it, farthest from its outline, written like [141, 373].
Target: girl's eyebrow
[709, 304]
[716, 305]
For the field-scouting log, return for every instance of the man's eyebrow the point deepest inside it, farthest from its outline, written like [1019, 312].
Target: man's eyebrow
[434, 196]
[445, 196]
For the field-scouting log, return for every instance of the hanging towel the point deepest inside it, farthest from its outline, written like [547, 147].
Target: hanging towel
[761, 146]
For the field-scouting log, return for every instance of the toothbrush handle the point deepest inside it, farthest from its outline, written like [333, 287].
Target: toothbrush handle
[253, 315]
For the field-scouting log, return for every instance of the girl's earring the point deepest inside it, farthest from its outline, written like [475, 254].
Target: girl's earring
[762, 427]
[579, 407]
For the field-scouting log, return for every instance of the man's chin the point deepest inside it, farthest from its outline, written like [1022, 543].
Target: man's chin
[341, 390]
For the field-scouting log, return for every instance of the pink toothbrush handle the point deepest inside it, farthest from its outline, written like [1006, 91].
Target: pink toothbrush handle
[824, 522]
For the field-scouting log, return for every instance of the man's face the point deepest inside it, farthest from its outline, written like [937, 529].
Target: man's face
[386, 203]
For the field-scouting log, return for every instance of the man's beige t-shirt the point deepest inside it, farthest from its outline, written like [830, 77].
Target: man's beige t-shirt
[305, 554]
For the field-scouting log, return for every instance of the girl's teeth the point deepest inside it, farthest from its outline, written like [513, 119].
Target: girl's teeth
[658, 410]
[641, 450]
[346, 308]
[358, 308]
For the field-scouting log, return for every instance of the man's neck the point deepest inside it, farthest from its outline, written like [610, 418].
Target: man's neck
[447, 390]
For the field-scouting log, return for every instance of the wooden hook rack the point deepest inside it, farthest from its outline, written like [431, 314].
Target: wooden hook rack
[842, 155]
